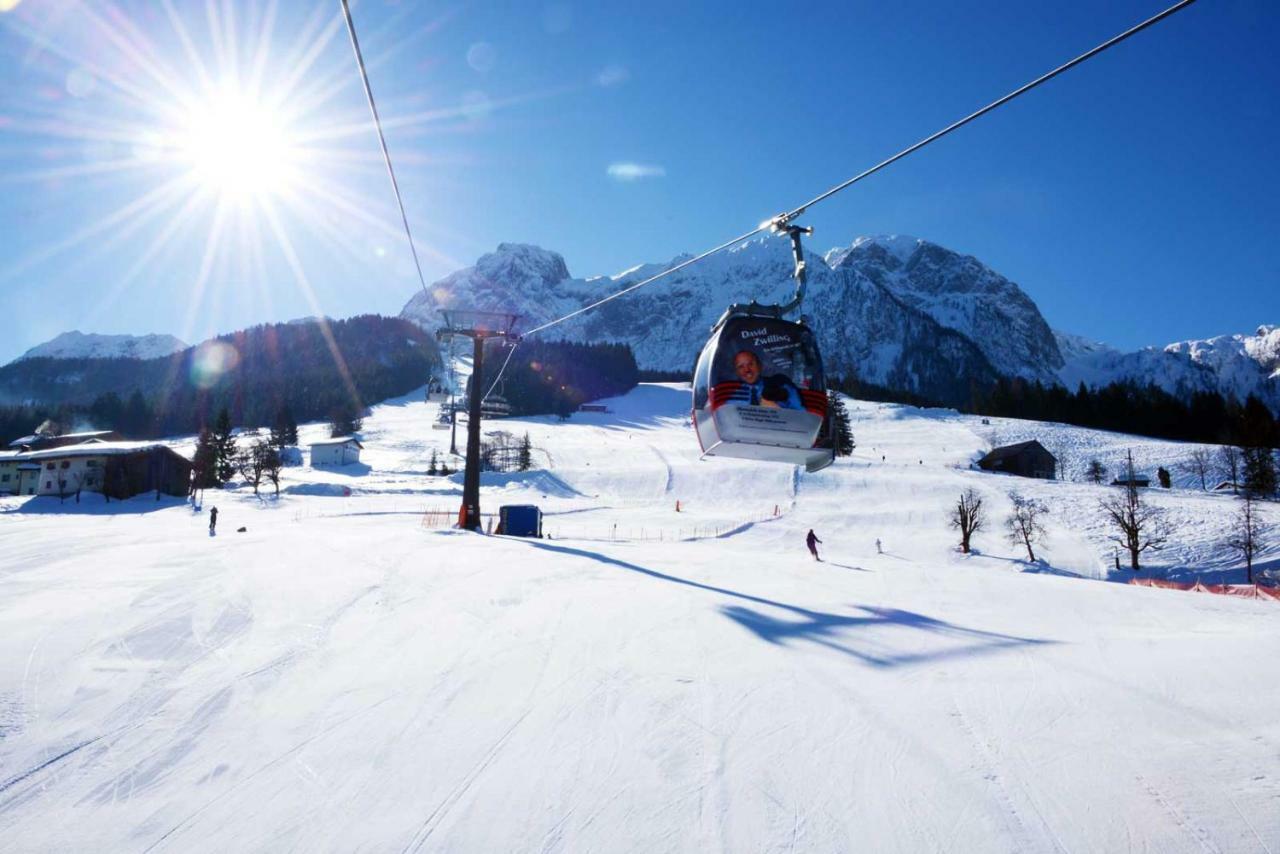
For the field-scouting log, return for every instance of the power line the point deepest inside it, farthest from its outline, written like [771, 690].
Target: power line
[382, 139]
[785, 218]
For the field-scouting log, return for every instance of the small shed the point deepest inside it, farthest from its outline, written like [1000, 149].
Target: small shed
[1025, 459]
[520, 520]
[339, 451]
[154, 467]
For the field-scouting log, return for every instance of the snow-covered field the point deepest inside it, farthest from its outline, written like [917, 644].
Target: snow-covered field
[340, 677]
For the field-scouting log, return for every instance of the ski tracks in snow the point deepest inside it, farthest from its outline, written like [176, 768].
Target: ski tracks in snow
[442, 809]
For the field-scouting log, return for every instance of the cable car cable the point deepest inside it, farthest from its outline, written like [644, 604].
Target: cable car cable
[782, 221]
[382, 139]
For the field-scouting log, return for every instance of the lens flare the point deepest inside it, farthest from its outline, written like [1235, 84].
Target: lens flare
[212, 360]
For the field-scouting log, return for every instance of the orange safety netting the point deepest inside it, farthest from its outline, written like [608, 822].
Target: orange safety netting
[1248, 591]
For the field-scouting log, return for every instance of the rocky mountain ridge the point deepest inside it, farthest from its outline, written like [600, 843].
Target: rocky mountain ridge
[892, 310]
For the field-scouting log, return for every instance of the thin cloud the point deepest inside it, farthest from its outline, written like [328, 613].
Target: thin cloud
[612, 75]
[635, 171]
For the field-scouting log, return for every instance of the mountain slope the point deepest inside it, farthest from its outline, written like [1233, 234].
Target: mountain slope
[79, 345]
[309, 366]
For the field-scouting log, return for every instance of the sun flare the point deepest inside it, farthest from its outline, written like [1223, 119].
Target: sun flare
[238, 147]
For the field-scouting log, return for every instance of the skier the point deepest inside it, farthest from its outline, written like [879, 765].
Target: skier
[213, 520]
[879, 550]
[812, 542]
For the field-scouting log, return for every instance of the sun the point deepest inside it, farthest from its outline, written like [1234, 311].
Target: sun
[238, 147]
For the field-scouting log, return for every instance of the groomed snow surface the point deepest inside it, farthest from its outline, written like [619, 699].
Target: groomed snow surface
[340, 677]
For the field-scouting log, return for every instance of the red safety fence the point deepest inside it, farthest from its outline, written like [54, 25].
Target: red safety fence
[1248, 591]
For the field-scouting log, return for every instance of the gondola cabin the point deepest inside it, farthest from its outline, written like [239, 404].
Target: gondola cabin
[759, 392]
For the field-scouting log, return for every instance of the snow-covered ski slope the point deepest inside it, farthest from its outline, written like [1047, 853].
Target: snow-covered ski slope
[341, 678]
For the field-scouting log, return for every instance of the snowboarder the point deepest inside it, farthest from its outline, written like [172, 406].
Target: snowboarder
[812, 542]
[879, 550]
[213, 520]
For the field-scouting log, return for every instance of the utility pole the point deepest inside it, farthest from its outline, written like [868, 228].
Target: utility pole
[479, 326]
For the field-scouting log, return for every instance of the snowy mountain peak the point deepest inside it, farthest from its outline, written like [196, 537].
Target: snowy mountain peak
[80, 345]
[520, 278]
[898, 247]
[962, 294]
[525, 261]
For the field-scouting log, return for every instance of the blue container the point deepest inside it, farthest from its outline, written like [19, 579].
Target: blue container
[520, 520]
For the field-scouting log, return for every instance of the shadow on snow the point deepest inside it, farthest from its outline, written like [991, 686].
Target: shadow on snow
[824, 628]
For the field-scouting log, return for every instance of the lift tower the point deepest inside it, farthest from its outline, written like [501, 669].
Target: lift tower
[480, 327]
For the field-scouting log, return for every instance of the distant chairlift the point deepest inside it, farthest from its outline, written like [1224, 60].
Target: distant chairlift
[436, 392]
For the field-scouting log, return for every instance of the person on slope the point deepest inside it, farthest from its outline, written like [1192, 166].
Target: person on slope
[812, 542]
[213, 520]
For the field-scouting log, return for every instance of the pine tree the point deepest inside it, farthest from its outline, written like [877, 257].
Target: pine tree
[524, 455]
[1259, 468]
[1096, 471]
[1162, 475]
[224, 444]
[841, 429]
[204, 464]
[276, 436]
[290, 427]
[137, 415]
[433, 468]
[344, 419]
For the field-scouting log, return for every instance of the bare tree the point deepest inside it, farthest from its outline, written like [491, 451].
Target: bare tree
[968, 517]
[1096, 472]
[1024, 523]
[1140, 525]
[1247, 536]
[1229, 455]
[1200, 464]
[271, 461]
[249, 462]
[1066, 461]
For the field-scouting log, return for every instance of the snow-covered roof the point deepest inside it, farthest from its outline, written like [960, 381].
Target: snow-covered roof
[95, 449]
[88, 436]
[1012, 450]
[339, 440]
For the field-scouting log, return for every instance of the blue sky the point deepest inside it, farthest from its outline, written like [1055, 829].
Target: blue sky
[1136, 199]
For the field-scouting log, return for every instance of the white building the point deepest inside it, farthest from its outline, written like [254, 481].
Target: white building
[341, 451]
[9, 474]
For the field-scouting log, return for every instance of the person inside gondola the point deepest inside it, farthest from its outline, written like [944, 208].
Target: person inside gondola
[777, 390]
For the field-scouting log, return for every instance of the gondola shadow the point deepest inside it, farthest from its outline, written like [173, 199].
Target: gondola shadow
[823, 628]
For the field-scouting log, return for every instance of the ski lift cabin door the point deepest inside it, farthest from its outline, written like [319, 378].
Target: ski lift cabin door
[759, 392]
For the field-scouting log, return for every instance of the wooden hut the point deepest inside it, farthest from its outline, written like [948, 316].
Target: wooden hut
[1025, 459]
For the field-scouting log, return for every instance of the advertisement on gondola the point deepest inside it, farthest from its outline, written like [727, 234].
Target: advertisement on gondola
[764, 363]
